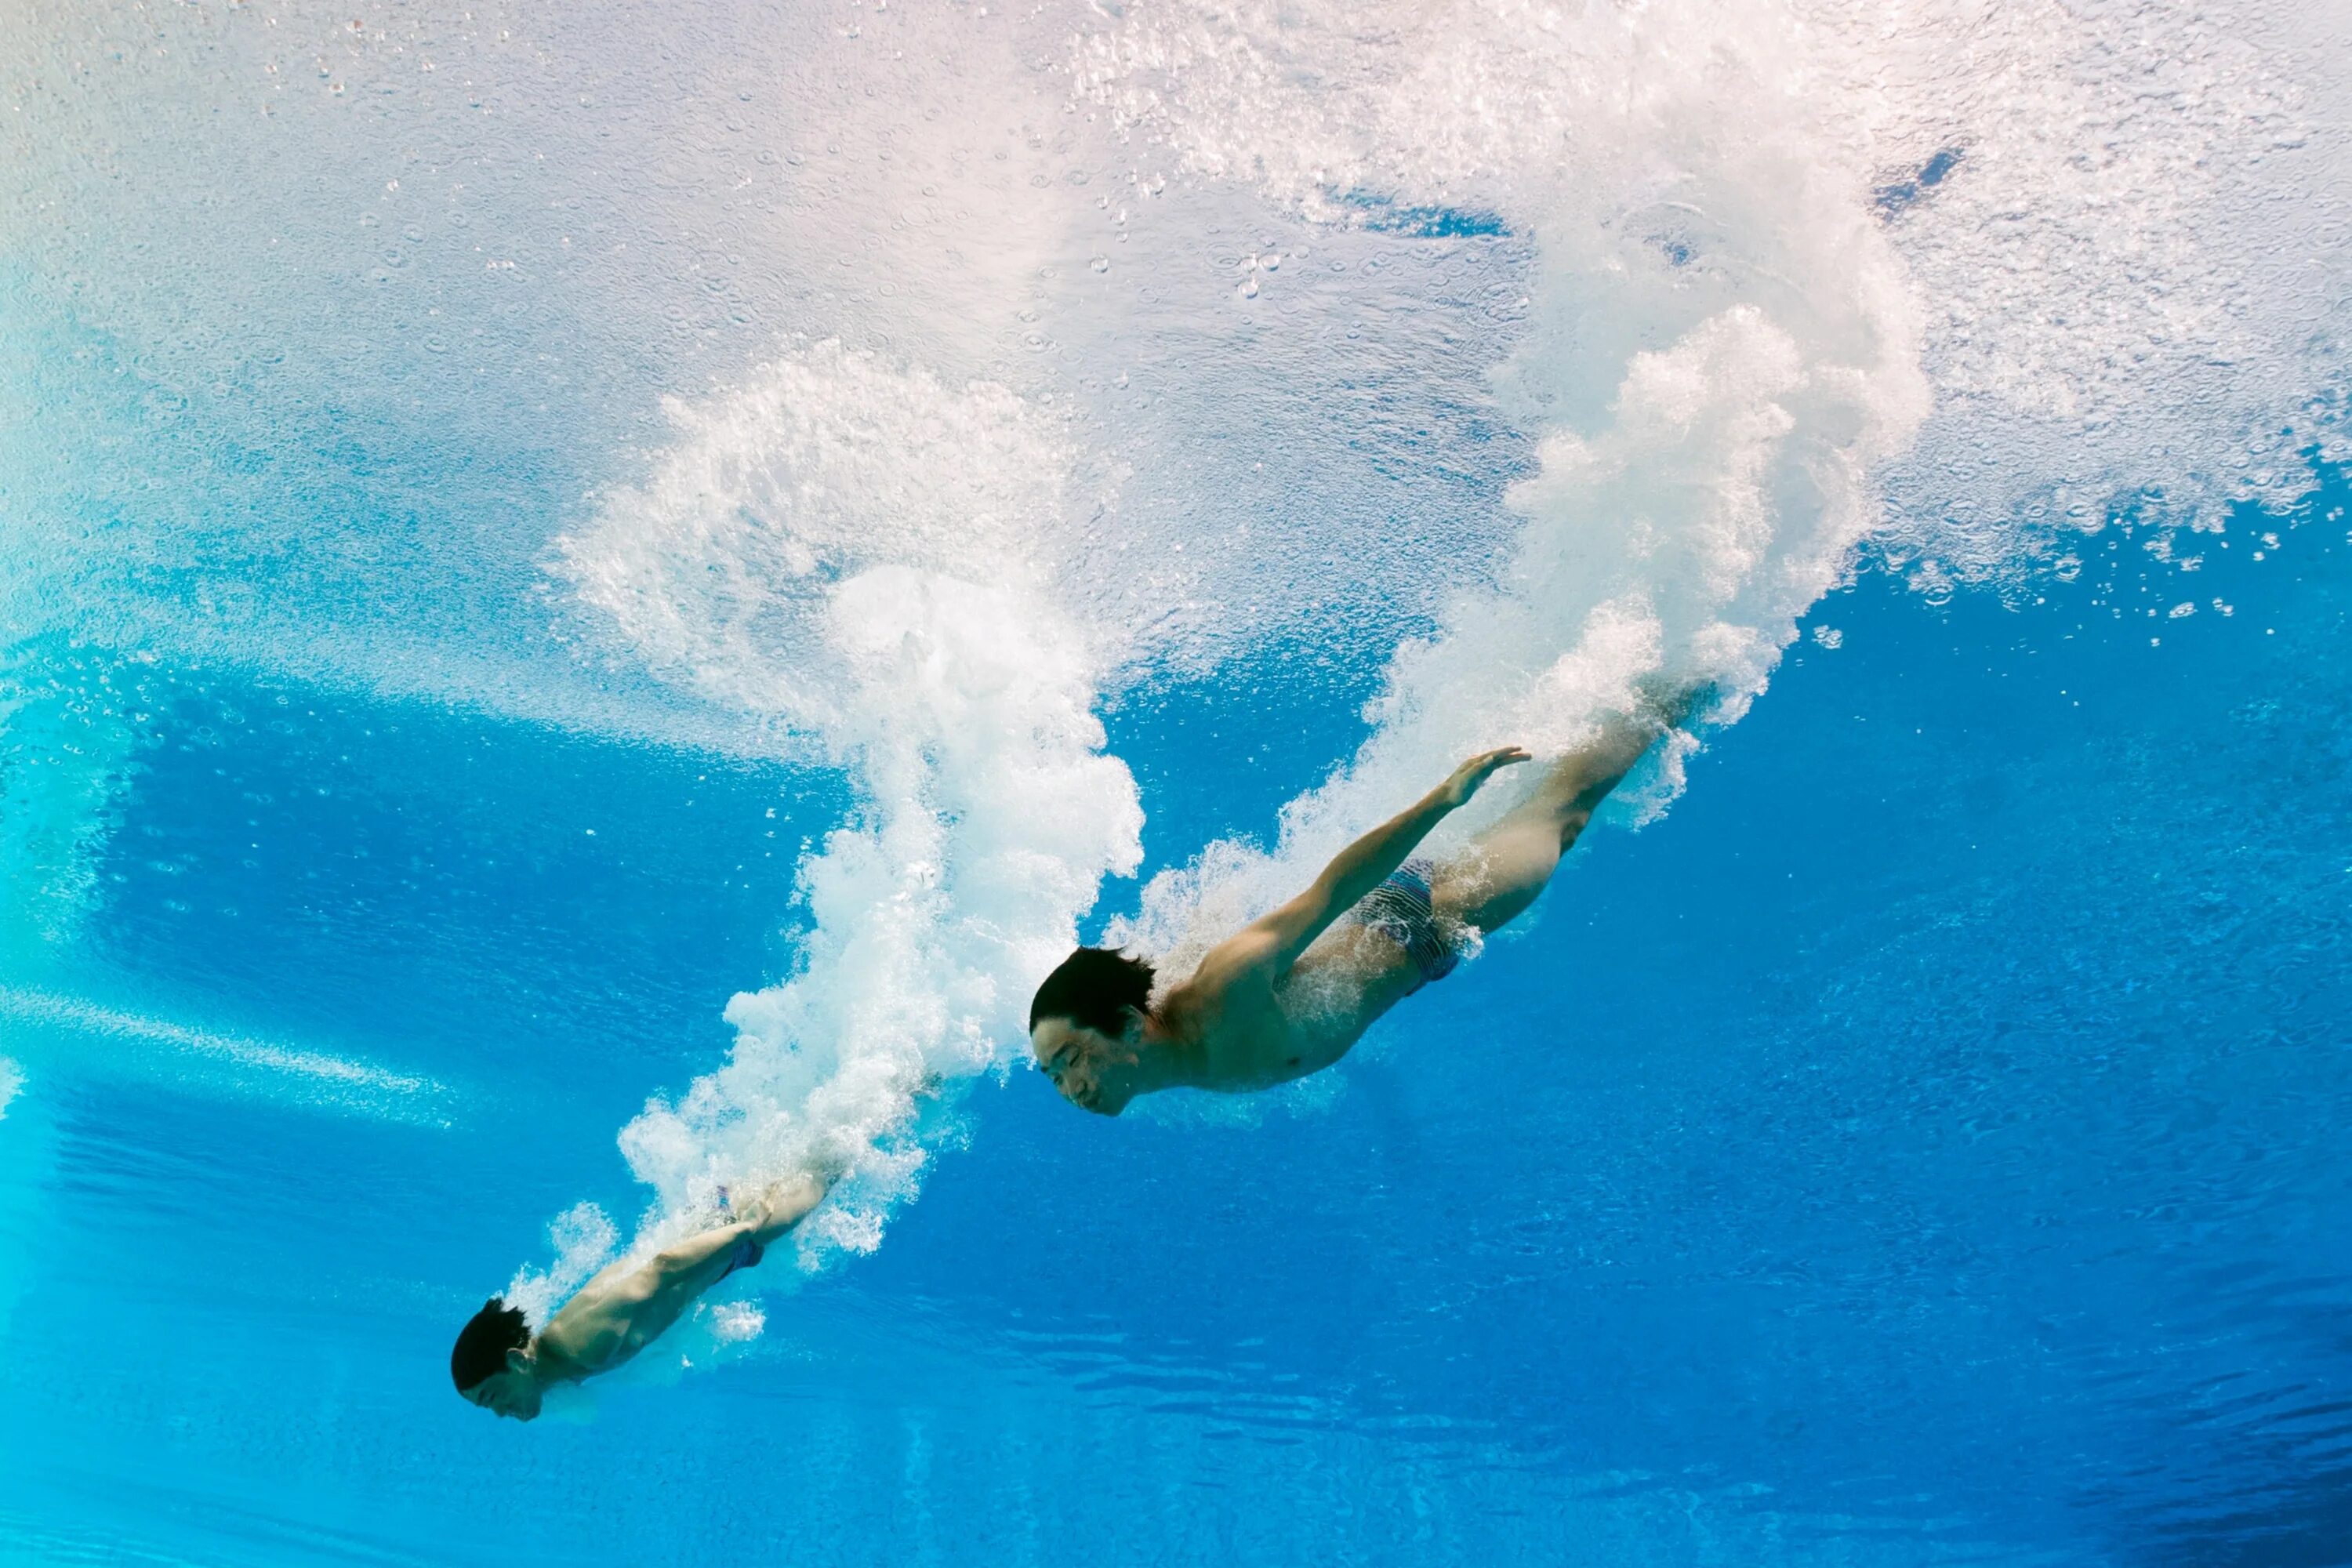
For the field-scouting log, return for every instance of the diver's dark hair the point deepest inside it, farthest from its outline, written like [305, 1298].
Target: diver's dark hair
[483, 1342]
[1095, 988]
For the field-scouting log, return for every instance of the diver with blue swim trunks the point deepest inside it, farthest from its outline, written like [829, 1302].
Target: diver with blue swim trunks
[501, 1366]
[1291, 992]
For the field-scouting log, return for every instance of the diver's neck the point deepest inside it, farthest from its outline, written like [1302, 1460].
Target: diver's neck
[1160, 1060]
[550, 1367]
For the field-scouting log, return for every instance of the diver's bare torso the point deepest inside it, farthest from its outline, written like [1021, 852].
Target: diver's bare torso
[1239, 1025]
[1290, 994]
[630, 1304]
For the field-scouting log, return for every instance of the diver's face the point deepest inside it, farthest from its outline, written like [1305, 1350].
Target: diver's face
[1073, 1057]
[509, 1392]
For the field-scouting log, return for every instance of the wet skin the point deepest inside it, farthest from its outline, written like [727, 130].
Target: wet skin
[630, 1304]
[1289, 994]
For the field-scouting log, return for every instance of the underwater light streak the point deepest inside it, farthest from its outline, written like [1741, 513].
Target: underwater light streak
[112, 1024]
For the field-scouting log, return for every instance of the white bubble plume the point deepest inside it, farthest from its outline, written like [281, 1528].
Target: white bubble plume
[865, 555]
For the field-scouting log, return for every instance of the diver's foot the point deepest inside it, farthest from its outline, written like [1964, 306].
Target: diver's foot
[1670, 702]
[1662, 705]
[1579, 781]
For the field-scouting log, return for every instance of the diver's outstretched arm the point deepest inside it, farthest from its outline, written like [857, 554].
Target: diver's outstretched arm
[1370, 860]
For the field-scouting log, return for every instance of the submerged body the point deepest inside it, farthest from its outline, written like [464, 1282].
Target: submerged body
[1290, 992]
[619, 1311]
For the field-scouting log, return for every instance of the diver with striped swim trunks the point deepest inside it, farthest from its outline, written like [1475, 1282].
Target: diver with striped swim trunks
[1401, 910]
[1291, 992]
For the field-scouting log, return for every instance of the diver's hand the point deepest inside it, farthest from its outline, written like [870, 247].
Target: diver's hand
[1457, 790]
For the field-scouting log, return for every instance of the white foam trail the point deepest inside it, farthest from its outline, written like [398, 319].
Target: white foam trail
[12, 1083]
[1687, 536]
[865, 553]
[339, 1080]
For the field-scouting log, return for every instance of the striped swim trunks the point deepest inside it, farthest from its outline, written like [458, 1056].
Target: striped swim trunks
[1400, 910]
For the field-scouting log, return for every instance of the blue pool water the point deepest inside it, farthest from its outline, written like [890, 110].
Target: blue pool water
[542, 567]
[1922, 1145]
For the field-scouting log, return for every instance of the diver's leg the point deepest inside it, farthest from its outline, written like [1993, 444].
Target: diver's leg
[783, 1205]
[1498, 875]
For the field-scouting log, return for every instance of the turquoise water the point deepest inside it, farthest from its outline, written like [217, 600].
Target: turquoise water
[1920, 1145]
[505, 623]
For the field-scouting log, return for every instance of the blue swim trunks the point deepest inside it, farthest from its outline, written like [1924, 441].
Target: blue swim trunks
[1400, 910]
[747, 1253]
